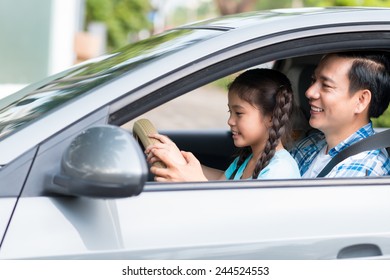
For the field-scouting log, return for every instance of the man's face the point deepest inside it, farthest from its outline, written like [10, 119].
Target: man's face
[332, 107]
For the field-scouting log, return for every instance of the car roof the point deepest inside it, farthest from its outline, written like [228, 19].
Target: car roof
[214, 35]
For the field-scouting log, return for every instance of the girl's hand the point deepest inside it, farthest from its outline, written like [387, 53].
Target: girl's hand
[167, 146]
[191, 170]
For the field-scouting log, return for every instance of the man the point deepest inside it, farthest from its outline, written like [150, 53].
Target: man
[347, 90]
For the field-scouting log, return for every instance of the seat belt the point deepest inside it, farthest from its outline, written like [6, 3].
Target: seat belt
[374, 142]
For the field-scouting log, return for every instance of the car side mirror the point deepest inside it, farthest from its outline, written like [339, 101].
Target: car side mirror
[103, 161]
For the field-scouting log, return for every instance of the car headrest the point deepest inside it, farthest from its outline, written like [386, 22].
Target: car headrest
[301, 76]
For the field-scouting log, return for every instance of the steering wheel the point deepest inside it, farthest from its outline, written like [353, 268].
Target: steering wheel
[141, 129]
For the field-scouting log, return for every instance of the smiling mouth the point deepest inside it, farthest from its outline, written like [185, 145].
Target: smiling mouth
[316, 109]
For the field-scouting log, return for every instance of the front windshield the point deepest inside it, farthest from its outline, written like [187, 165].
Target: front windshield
[32, 103]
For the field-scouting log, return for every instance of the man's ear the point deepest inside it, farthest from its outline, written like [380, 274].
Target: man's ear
[363, 98]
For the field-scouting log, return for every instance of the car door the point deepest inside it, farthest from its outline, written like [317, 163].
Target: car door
[299, 219]
[219, 220]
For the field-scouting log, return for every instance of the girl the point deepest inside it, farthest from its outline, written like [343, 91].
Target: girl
[260, 104]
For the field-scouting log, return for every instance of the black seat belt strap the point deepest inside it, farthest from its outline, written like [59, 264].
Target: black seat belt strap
[374, 142]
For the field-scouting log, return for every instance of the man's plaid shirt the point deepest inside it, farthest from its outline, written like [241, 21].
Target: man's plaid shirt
[368, 163]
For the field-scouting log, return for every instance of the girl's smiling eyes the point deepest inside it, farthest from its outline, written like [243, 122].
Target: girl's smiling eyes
[236, 110]
[237, 113]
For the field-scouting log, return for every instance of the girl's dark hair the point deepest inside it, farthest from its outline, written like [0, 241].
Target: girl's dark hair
[269, 91]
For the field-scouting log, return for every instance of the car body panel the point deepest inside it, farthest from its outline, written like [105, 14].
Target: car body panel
[14, 175]
[208, 224]
[7, 206]
[70, 222]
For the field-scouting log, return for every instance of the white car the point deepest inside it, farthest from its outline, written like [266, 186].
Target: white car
[74, 181]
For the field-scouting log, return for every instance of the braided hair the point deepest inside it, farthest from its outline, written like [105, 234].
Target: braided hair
[270, 91]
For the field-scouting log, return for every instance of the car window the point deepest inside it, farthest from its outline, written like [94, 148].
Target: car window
[203, 108]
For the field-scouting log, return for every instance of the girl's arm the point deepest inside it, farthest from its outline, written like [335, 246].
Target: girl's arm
[191, 171]
[213, 174]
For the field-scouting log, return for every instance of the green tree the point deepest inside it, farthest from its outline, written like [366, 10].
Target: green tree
[382, 121]
[122, 17]
[266, 5]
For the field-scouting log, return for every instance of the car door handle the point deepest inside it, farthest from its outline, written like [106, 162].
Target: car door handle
[359, 251]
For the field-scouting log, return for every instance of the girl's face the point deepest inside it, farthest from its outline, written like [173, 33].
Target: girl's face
[247, 123]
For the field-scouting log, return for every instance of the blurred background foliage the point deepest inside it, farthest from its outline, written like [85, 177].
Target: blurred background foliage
[121, 17]
[125, 19]
[382, 121]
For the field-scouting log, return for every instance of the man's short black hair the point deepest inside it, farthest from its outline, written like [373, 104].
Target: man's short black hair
[370, 70]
